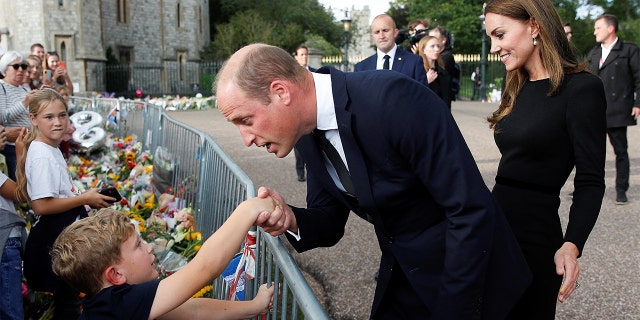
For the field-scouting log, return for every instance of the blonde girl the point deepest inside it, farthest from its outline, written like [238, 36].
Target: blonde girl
[44, 181]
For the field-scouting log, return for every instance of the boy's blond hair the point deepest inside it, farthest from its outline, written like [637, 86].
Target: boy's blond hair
[86, 248]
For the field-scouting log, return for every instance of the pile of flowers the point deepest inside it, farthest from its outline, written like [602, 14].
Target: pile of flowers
[173, 103]
[159, 219]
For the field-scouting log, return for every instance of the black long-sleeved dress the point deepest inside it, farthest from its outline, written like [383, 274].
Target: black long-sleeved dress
[541, 141]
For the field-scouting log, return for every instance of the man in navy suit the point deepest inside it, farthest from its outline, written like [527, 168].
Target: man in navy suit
[384, 33]
[447, 250]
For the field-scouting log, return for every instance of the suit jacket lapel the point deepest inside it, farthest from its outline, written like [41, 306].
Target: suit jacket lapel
[613, 54]
[398, 60]
[355, 161]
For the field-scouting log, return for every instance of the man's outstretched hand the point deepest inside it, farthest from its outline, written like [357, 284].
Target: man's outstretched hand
[281, 219]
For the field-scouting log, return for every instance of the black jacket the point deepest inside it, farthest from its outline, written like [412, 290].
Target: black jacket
[620, 74]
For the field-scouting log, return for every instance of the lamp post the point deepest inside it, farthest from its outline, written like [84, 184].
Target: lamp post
[346, 23]
[483, 58]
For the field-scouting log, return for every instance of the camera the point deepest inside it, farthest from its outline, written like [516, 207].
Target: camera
[413, 38]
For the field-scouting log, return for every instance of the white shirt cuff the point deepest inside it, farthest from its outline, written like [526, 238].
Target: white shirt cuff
[295, 235]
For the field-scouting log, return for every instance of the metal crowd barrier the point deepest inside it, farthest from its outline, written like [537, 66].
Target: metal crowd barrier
[213, 185]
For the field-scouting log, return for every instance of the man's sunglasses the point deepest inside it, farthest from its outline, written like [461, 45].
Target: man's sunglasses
[24, 66]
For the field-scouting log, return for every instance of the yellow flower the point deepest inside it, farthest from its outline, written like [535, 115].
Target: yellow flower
[193, 236]
[203, 291]
[130, 156]
[128, 138]
[137, 217]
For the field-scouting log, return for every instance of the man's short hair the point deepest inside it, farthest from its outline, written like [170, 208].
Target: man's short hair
[611, 20]
[300, 47]
[36, 45]
[87, 247]
[258, 68]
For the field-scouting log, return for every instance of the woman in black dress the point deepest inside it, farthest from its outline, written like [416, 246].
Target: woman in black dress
[551, 120]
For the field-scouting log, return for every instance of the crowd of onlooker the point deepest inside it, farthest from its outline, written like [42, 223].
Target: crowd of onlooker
[35, 133]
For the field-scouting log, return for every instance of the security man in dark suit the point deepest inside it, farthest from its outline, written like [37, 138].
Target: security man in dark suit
[388, 54]
[387, 148]
[617, 63]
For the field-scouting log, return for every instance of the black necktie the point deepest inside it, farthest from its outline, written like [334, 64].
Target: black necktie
[336, 161]
[385, 65]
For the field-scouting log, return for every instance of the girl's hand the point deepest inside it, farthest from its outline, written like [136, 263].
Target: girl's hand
[96, 200]
[59, 72]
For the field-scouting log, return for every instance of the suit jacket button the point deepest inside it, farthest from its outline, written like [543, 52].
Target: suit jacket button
[390, 241]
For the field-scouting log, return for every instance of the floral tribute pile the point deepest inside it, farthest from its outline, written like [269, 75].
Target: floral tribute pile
[174, 103]
[123, 164]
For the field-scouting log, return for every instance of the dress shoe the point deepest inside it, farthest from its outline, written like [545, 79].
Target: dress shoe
[621, 198]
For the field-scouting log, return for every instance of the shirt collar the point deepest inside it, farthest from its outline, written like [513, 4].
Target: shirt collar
[611, 45]
[391, 53]
[326, 110]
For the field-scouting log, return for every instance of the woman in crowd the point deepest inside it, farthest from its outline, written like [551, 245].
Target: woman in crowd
[551, 120]
[438, 78]
[44, 180]
[14, 99]
[33, 80]
[55, 72]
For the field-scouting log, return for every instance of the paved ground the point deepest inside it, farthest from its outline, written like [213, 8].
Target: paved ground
[344, 274]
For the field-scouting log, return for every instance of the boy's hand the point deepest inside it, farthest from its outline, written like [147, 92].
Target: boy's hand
[262, 204]
[279, 220]
[264, 298]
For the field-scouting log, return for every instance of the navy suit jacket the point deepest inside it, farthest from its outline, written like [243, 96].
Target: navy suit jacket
[404, 62]
[418, 184]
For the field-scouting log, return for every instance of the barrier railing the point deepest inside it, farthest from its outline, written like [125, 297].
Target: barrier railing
[213, 185]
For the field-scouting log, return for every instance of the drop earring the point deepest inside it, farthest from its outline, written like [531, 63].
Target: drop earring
[535, 42]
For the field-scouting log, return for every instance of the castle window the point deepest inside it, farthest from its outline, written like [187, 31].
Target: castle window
[180, 15]
[122, 8]
[200, 18]
[182, 65]
[63, 51]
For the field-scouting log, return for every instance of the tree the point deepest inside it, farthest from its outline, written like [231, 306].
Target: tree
[460, 17]
[283, 23]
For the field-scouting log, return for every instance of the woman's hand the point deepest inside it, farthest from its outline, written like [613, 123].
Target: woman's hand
[432, 75]
[566, 259]
[3, 137]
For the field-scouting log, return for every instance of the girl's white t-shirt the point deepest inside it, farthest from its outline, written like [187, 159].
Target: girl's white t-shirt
[47, 173]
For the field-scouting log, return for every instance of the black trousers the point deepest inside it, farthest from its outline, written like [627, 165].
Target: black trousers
[618, 139]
